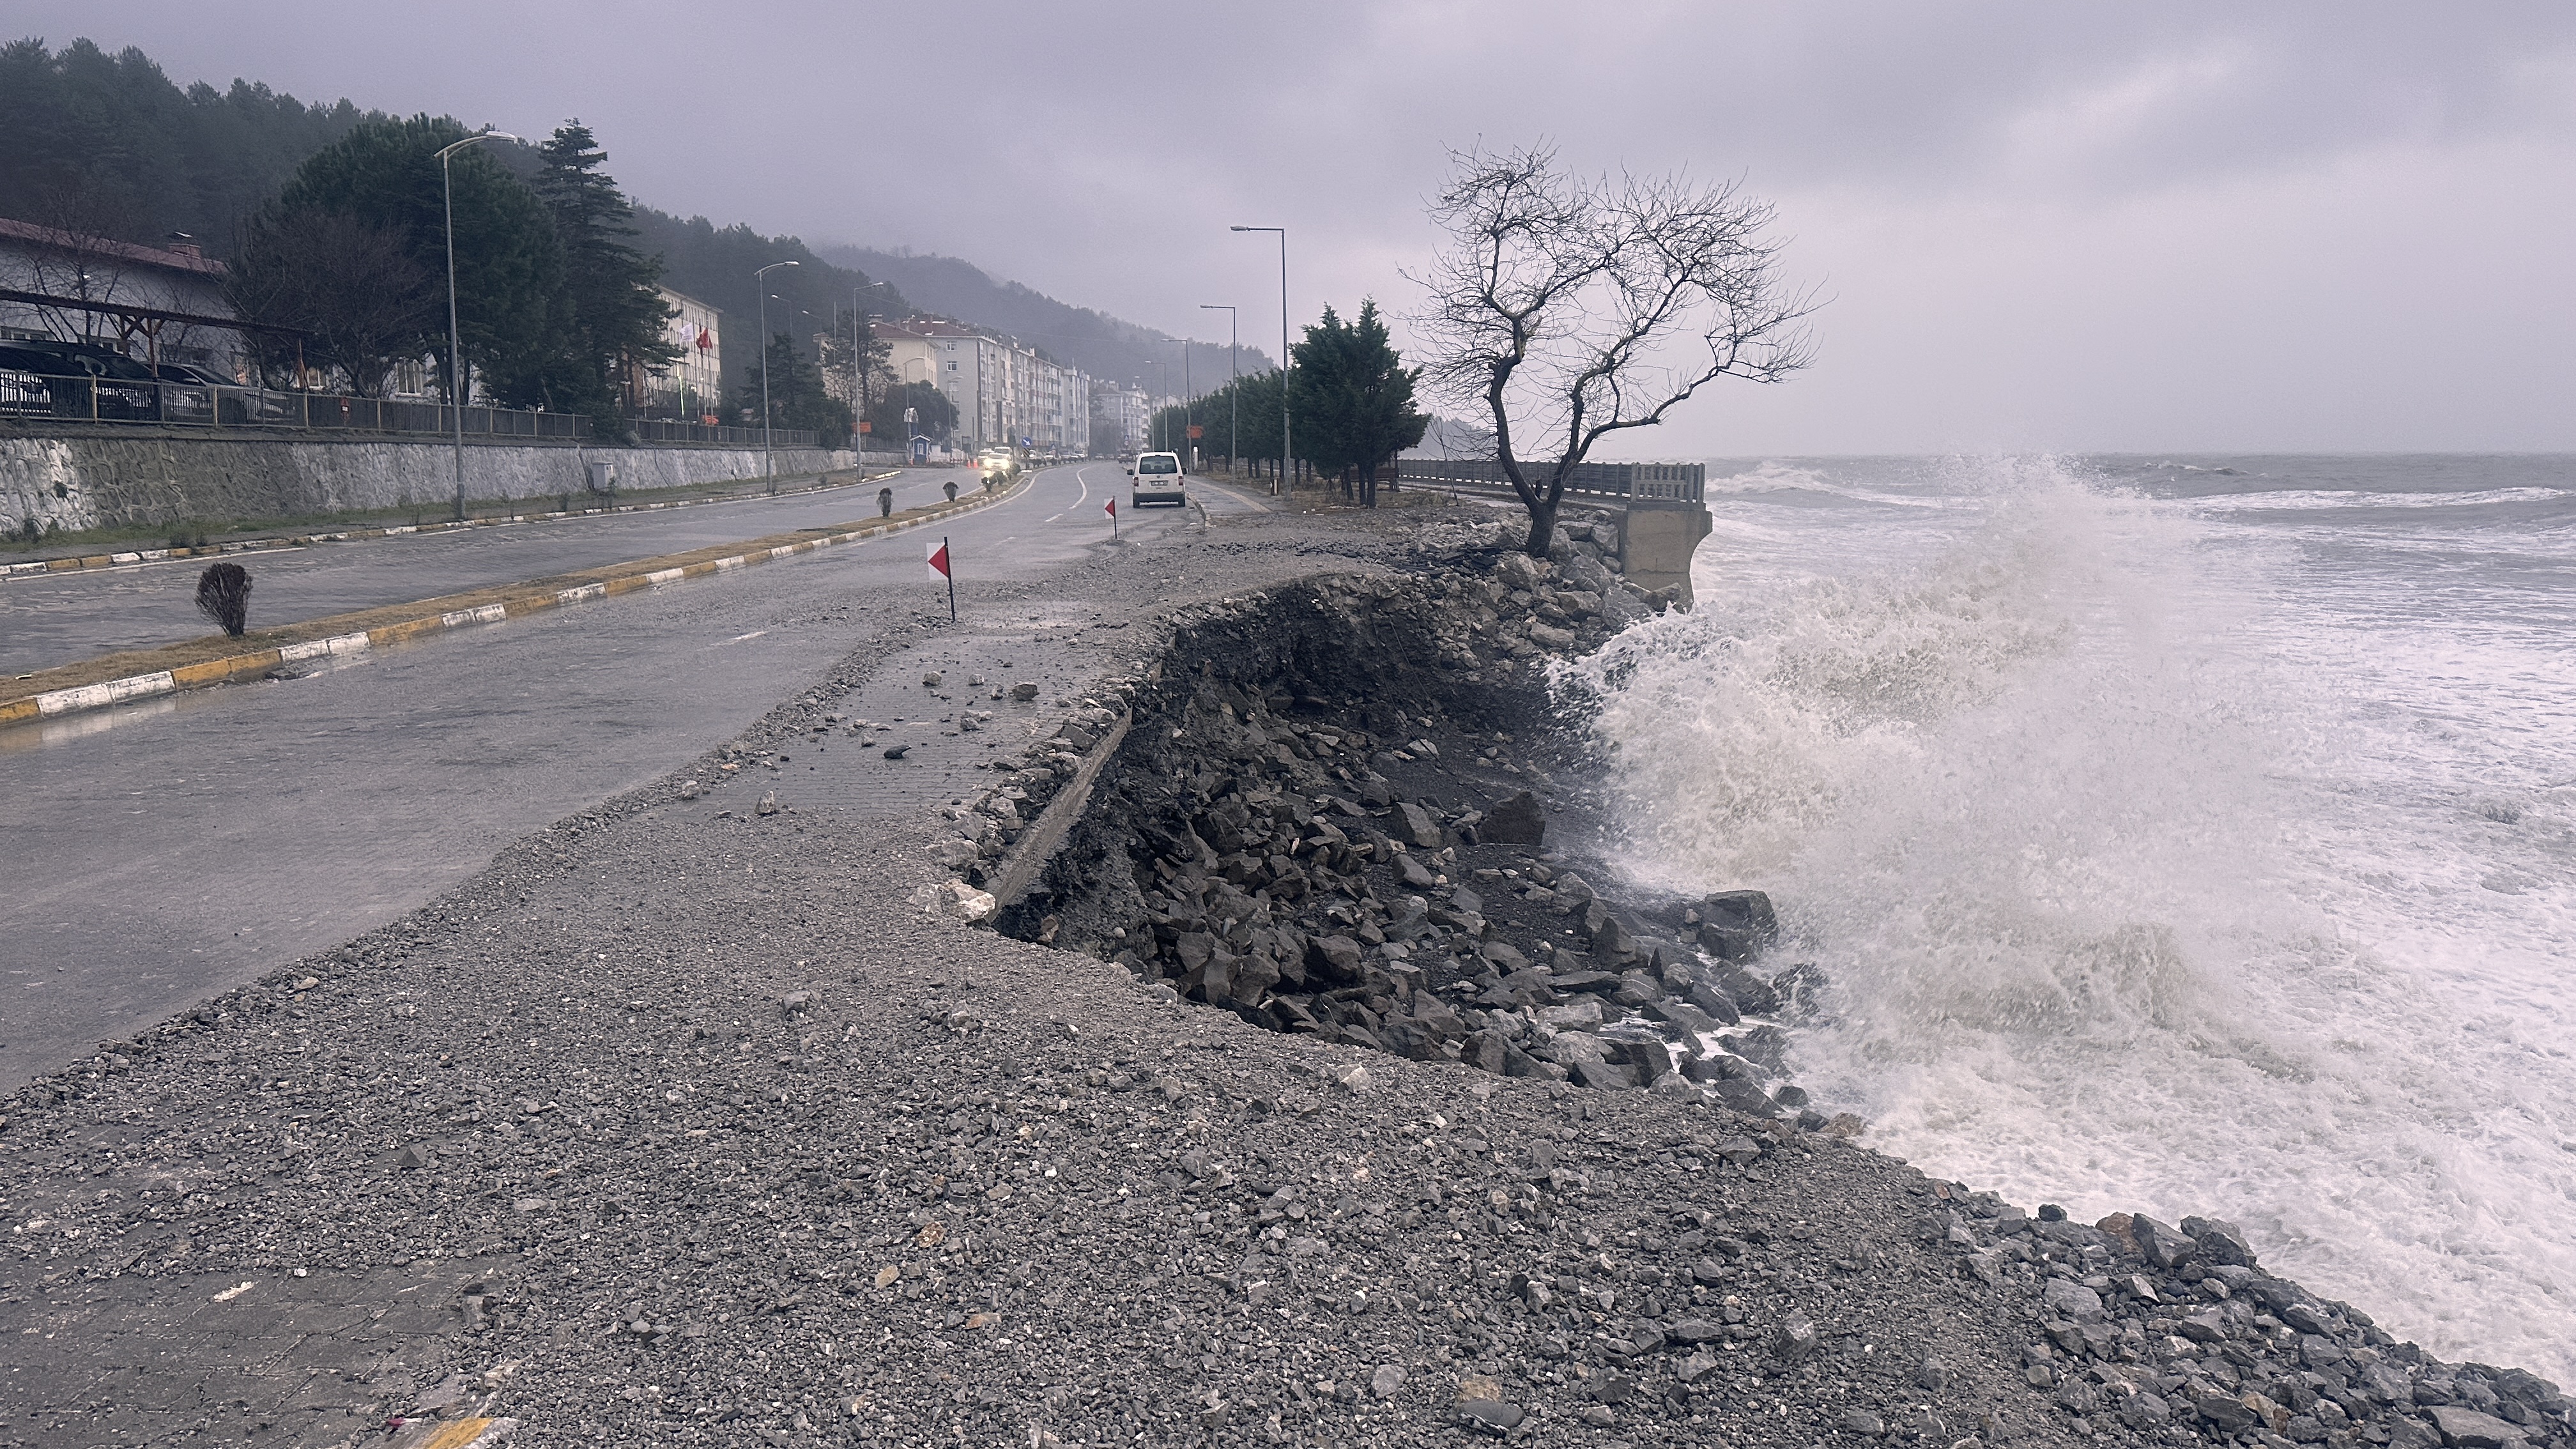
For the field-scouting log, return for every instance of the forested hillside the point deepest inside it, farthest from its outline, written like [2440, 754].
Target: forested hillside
[108, 145]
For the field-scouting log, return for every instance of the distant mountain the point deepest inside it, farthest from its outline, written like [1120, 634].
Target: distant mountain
[1101, 345]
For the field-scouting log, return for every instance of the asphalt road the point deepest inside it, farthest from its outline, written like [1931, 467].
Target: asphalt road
[161, 852]
[51, 619]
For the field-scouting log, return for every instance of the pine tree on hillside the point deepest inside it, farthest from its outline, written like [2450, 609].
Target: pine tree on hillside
[614, 322]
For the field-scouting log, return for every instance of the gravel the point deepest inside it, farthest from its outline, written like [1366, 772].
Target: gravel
[731, 1130]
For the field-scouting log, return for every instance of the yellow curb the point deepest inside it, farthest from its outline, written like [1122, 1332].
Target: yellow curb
[45, 704]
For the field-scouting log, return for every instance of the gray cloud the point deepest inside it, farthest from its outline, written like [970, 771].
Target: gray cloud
[2042, 224]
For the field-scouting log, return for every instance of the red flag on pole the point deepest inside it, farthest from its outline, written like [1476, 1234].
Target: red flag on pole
[939, 566]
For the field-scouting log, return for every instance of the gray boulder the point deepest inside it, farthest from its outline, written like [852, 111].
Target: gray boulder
[2468, 1429]
[2219, 1241]
[1517, 821]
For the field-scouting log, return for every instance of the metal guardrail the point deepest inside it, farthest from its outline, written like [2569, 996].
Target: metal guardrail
[1664, 482]
[180, 404]
[663, 430]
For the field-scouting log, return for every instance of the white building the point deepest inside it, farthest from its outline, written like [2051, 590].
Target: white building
[692, 386]
[1131, 408]
[1004, 390]
[79, 268]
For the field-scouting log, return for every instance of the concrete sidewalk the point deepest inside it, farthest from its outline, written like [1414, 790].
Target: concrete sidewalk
[61, 617]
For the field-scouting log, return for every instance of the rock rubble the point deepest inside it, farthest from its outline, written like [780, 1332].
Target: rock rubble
[1322, 821]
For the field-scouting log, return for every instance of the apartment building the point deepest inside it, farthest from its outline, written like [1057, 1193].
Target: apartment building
[1003, 389]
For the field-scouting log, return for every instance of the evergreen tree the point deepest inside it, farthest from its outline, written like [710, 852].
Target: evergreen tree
[138, 149]
[611, 320]
[933, 415]
[796, 395]
[509, 263]
[1353, 398]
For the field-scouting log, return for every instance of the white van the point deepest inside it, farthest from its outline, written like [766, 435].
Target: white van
[1158, 480]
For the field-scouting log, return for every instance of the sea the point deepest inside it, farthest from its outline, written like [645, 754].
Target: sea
[2177, 835]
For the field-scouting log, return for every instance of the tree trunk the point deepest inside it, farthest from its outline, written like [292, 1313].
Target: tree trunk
[1542, 534]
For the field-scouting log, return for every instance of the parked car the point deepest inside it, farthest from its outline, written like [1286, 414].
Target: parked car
[1159, 479]
[85, 381]
[196, 395]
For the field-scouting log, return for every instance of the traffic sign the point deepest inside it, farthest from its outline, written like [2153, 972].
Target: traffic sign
[1197, 431]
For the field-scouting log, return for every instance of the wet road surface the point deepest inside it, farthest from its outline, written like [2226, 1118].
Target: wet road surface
[158, 853]
[51, 619]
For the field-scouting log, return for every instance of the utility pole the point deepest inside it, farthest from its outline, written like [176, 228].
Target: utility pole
[455, 349]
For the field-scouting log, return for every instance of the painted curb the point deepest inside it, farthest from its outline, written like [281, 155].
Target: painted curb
[51, 703]
[272, 542]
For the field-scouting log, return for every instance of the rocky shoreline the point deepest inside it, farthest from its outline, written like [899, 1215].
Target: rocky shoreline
[683, 1125]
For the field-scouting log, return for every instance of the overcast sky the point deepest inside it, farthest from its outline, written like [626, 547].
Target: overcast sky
[2276, 226]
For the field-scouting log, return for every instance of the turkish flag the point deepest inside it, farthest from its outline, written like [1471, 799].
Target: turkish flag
[706, 339]
[939, 559]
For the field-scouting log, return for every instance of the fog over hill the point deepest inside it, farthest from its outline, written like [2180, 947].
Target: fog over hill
[1101, 345]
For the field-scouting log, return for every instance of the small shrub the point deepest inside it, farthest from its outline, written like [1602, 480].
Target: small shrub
[223, 595]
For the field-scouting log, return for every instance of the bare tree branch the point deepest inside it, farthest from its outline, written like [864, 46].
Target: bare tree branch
[1570, 310]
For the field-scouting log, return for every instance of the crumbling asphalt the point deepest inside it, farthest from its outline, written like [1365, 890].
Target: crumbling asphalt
[693, 1125]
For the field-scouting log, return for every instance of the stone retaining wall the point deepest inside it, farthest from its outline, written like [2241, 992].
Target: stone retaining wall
[142, 476]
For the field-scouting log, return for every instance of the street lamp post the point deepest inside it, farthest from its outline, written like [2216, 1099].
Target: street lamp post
[455, 350]
[1233, 375]
[859, 374]
[1284, 452]
[768, 458]
[1189, 410]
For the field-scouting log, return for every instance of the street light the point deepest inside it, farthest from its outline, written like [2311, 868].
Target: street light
[1284, 453]
[768, 459]
[1233, 375]
[455, 351]
[859, 375]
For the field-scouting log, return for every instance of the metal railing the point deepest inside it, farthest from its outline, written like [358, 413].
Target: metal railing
[1662, 482]
[663, 430]
[183, 404]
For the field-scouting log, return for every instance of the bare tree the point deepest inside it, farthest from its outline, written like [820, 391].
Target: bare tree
[350, 286]
[1570, 309]
[81, 258]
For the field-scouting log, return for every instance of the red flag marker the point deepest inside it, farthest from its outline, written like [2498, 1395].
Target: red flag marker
[1112, 506]
[939, 566]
